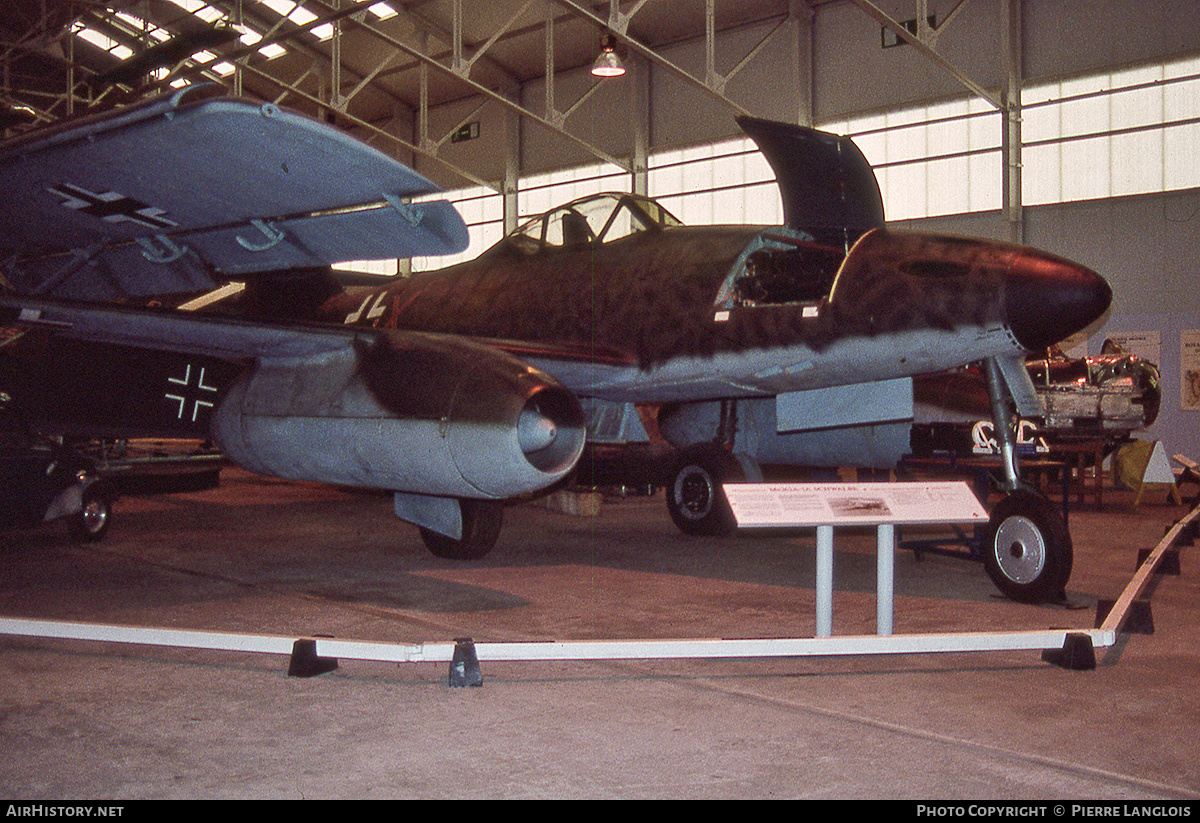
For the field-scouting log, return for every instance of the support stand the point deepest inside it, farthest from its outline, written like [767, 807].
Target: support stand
[1140, 619]
[1077, 653]
[1129, 614]
[464, 665]
[312, 656]
[1168, 562]
[1186, 535]
[305, 662]
[1190, 475]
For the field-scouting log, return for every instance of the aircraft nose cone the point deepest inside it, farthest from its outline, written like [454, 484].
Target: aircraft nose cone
[1047, 298]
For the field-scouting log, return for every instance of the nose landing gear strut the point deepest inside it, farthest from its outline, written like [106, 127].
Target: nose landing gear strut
[1026, 545]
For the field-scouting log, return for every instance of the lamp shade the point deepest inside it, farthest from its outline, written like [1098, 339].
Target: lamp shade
[608, 64]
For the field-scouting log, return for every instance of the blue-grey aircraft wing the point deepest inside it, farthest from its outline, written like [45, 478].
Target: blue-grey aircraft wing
[178, 332]
[187, 190]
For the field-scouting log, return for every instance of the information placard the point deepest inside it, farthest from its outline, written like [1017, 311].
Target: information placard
[831, 504]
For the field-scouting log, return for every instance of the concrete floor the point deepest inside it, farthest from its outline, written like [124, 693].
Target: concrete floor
[103, 720]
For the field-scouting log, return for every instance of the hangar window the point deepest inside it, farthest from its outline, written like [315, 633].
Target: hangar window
[1133, 131]
[932, 160]
[1127, 132]
[538, 193]
[482, 209]
[728, 182]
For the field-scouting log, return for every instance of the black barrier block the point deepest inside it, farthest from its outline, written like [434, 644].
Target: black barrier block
[464, 665]
[1167, 564]
[1140, 619]
[305, 662]
[1077, 653]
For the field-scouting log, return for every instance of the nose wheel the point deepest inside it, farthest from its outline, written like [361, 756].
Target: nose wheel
[1027, 549]
[1026, 546]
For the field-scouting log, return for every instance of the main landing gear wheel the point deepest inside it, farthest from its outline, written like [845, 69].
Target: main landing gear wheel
[481, 521]
[91, 523]
[694, 496]
[1027, 549]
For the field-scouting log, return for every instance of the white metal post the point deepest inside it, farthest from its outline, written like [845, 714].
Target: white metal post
[885, 545]
[824, 581]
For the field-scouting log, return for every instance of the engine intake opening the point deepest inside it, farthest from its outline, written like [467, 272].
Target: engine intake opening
[551, 430]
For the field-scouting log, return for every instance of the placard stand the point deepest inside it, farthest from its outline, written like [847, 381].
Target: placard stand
[826, 505]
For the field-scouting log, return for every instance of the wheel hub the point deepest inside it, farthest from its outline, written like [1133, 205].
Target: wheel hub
[694, 491]
[1020, 549]
[95, 514]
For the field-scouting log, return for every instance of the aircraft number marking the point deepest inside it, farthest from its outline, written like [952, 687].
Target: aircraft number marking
[377, 308]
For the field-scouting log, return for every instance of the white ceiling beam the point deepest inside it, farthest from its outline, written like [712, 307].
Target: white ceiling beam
[434, 63]
[913, 40]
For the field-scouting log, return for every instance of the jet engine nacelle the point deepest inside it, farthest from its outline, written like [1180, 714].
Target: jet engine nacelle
[407, 412]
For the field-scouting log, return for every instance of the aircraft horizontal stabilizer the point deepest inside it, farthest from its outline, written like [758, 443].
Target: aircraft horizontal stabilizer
[183, 191]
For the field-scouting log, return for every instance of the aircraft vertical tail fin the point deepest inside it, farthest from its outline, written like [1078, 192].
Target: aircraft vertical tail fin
[827, 185]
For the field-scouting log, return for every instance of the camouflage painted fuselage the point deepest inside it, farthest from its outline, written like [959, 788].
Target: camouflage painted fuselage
[683, 313]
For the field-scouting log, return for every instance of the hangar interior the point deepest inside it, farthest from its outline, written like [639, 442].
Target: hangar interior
[1065, 126]
[1006, 121]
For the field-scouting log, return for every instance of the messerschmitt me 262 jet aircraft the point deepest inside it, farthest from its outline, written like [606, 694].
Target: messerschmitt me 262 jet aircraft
[461, 388]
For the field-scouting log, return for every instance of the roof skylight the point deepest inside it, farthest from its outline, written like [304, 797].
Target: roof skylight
[299, 15]
[382, 10]
[292, 10]
[200, 9]
[102, 41]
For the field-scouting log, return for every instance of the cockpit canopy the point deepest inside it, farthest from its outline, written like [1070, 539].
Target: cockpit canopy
[594, 220]
[777, 266]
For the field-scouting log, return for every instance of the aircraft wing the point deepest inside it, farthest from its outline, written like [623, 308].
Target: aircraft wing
[184, 191]
[179, 332]
[431, 415]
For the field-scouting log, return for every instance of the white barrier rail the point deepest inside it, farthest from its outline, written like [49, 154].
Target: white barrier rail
[552, 649]
[313, 655]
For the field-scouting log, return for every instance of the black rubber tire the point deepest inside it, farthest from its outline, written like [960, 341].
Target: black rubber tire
[694, 497]
[1027, 549]
[91, 523]
[481, 521]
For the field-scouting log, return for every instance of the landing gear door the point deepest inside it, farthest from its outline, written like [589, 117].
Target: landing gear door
[613, 423]
[859, 404]
[1020, 386]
